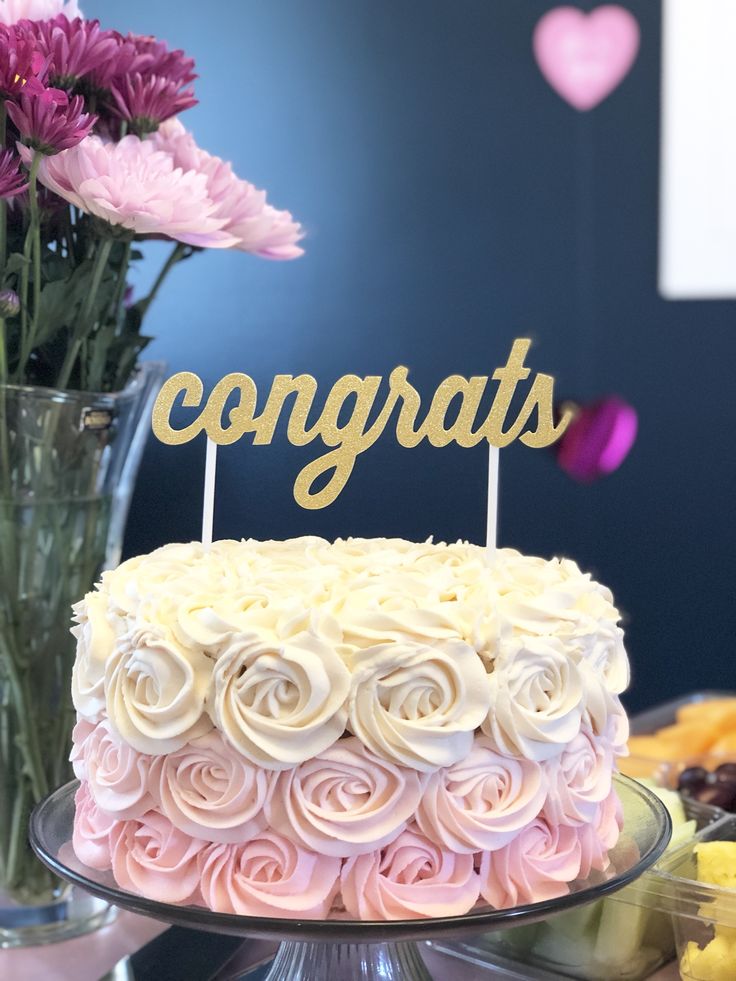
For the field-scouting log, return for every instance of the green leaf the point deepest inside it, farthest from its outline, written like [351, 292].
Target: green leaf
[62, 299]
[14, 268]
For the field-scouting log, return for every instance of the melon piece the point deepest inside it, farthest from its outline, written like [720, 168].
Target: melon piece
[689, 738]
[725, 745]
[653, 748]
[632, 766]
[720, 712]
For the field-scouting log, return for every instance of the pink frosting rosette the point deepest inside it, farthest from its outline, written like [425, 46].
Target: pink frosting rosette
[268, 876]
[80, 732]
[579, 780]
[118, 775]
[208, 790]
[617, 729]
[346, 801]
[537, 865]
[153, 858]
[91, 834]
[482, 802]
[412, 878]
[601, 835]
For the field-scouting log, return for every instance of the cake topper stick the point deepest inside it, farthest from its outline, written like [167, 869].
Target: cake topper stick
[208, 505]
[492, 510]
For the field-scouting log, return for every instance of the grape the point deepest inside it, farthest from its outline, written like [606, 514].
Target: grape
[718, 795]
[726, 773]
[693, 780]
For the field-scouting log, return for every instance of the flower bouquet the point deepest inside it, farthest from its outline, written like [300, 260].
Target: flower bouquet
[94, 162]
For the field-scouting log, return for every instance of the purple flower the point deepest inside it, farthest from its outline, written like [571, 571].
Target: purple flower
[147, 101]
[51, 122]
[21, 62]
[154, 58]
[12, 181]
[598, 440]
[9, 303]
[74, 48]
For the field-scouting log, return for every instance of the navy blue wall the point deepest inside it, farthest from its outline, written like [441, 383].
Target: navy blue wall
[454, 202]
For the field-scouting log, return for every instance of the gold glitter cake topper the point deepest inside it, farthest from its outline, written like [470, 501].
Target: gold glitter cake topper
[347, 441]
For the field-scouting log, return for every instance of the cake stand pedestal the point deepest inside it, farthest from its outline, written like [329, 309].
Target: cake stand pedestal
[350, 950]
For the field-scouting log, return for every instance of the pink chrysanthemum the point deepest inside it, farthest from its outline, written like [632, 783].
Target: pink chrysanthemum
[147, 101]
[51, 122]
[12, 11]
[256, 225]
[74, 48]
[12, 181]
[21, 62]
[132, 185]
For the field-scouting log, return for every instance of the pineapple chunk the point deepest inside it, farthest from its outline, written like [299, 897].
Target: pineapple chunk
[717, 863]
[715, 962]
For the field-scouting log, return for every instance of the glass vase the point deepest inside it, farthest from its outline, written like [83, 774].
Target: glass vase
[68, 462]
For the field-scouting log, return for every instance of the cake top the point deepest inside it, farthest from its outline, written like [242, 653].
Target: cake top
[286, 646]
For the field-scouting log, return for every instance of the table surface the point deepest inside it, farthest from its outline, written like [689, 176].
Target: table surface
[90, 958]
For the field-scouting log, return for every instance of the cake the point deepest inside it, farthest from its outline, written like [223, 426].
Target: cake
[372, 729]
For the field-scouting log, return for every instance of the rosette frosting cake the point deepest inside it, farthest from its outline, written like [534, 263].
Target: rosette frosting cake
[372, 728]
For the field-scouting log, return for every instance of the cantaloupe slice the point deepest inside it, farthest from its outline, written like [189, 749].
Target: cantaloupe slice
[725, 744]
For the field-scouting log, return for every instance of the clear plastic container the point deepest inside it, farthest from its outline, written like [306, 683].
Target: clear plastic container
[703, 915]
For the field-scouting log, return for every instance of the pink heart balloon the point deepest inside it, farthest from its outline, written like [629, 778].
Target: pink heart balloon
[585, 56]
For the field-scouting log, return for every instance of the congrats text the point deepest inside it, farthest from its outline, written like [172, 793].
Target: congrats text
[344, 425]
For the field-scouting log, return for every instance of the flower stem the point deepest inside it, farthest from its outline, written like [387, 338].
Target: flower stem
[32, 247]
[86, 317]
[177, 253]
[122, 280]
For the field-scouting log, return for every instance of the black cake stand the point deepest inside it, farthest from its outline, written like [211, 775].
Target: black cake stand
[343, 950]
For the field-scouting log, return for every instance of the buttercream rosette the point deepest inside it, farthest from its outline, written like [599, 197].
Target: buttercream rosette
[345, 801]
[268, 876]
[377, 729]
[209, 790]
[410, 878]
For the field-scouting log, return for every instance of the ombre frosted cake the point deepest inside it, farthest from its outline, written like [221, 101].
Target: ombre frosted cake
[372, 728]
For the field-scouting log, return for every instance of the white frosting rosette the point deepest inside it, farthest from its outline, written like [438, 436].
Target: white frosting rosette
[377, 610]
[117, 775]
[416, 704]
[482, 802]
[346, 801]
[208, 790]
[536, 695]
[95, 644]
[556, 599]
[155, 691]
[279, 701]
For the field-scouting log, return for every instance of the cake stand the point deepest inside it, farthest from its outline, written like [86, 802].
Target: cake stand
[344, 950]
